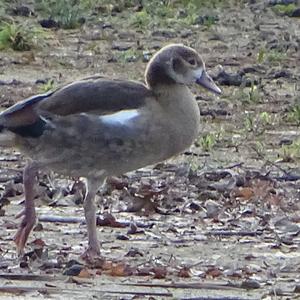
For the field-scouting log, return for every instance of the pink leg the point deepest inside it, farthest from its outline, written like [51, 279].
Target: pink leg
[28, 221]
[93, 249]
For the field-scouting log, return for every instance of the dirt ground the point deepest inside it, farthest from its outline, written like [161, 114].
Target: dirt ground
[221, 221]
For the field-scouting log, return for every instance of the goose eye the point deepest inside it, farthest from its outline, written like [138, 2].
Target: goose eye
[192, 61]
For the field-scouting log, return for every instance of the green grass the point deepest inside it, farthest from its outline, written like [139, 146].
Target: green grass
[249, 123]
[281, 9]
[129, 55]
[259, 148]
[18, 37]
[48, 86]
[207, 141]
[261, 55]
[265, 118]
[290, 152]
[67, 13]
[211, 4]
[3, 7]
[294, 114]
[254, 94]
[275, 56]
[249, 95]
[140, 20]
[154, 13]
[165, 13]
[258, 123]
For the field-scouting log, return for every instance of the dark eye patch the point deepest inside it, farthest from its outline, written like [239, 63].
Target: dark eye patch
[192, 61]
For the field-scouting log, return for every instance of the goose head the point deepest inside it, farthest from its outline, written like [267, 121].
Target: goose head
[178, 64]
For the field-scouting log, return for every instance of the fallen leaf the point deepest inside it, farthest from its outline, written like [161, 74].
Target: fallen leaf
[85, 273]
[214, 272]
[246, 193]
[144, 271]
[38, 243]
[160, 272]
[120, 269]
[184, 272]
[109, 220]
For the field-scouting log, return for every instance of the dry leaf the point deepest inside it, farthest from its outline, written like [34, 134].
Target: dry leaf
[38, 243]
[160, 272]
[109, 220]
[246, 193]
[214, 272]
[120, 269]
[184, 272]
[85, 273]
[144, 271]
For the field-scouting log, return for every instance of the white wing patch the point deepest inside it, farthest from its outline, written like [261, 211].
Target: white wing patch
[122, 117]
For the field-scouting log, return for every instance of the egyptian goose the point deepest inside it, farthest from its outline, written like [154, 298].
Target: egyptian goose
[98, 127]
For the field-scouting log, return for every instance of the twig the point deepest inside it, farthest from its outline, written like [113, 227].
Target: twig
[60, 219]
[17, 289]
[234, 233]
[195, 285]
[288, 177]
[63, 219]
[190, 153]
[31, 277]
[237, 165]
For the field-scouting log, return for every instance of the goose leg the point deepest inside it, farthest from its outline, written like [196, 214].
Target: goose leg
[28, 213]
[93, 249]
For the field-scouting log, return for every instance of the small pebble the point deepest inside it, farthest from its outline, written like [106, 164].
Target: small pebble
[49, 23]
[250, 284]
[23, 11]
[212, 208]
[73, 270]
[122, 237]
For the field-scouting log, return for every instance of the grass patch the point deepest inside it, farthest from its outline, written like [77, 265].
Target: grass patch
[207, 142]
[274, 57]
[249, 95]
[70, 14]
[265, 118]
[284, 10]
[67, 13]
[140, 20]
[257, 123]
[294, 114]
[209, 3]
[290, 153]
[18, 37]
[261, 55]
[48, 86]
[166, 13]
[130, 55]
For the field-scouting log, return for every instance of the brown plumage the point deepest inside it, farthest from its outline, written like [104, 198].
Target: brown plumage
[98, 127]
